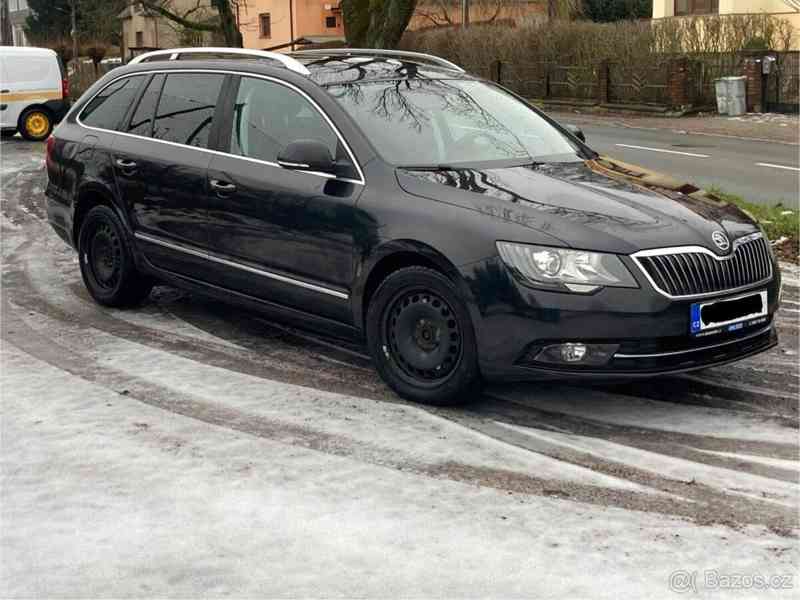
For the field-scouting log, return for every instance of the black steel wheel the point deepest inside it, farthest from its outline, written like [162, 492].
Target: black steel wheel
[106, 261]
[420, 334]
[423, 336]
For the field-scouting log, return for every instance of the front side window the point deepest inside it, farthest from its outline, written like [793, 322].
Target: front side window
[434, 122]
[268, 116]
[186, 109]
[142, 120]
[107, 108]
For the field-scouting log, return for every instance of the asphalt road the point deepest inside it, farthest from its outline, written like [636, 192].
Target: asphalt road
[186, 448]
[762, 172]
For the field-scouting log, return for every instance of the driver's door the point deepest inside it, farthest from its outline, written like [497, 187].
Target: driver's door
[277, 234]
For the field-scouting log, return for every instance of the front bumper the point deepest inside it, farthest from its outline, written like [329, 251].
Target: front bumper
[513, 322]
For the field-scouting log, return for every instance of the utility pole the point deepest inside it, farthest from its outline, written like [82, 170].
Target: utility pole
[6, 35]
[74, 16]
[464, 14]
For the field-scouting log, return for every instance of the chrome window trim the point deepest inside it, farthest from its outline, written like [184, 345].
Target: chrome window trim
[360, 181]
[237, 265]
[709, 347]
[700, 249]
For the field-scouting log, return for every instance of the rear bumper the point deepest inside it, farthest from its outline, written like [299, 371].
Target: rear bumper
[513, 322]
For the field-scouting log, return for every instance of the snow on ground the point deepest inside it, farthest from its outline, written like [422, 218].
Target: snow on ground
[108, 497]
[181, 450]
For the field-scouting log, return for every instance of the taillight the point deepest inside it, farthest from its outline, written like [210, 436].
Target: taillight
[51, 144]
[65, 88]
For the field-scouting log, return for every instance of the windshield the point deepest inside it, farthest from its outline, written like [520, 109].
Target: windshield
[438, 122]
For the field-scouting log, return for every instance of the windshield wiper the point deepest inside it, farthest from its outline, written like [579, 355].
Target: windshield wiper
[428, 167]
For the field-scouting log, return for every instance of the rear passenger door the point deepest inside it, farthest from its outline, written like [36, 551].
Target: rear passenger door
[282, 235]
[160, 165]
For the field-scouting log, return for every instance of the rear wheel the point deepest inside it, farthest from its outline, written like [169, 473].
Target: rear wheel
[36, 124]
[420, 335]
[107, 265]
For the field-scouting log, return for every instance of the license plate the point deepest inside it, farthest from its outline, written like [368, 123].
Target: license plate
[731, 314]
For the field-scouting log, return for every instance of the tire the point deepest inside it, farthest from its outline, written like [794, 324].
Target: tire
[36, 124]
[106, 260]
[8, 133]
[420, 336]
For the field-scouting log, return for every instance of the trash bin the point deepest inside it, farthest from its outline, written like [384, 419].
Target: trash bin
[737, 104]
[721, 87]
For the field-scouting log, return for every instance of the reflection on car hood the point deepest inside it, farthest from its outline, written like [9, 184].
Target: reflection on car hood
[594, 204]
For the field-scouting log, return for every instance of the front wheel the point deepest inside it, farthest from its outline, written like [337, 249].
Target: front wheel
[421, 338]
[107, 265]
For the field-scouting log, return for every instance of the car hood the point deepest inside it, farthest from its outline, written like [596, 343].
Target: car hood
[594, 204]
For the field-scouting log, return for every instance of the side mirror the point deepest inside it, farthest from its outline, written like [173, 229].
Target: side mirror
[307, 155]
[576, 131]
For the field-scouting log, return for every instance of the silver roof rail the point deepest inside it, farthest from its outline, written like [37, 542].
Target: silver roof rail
[175, 53]
[417, 56]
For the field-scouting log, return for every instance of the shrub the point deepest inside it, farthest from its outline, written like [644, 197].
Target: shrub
[586, 43]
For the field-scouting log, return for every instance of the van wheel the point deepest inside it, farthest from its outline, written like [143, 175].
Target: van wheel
[420, 335]
[106, 260]
[36, 124]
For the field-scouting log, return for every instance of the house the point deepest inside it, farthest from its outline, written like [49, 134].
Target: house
[275, 24]
[18, 12]
[144, 30]
[785, 9]
[447, 13]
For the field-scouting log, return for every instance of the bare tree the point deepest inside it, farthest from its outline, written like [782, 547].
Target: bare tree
[223, 23]
[376, 23]
[446, 13]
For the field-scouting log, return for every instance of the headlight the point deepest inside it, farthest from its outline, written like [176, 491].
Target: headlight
[559, 268]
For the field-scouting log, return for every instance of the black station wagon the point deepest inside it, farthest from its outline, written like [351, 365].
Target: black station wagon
[392, 198]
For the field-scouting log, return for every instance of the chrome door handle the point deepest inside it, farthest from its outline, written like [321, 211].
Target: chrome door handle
[125, 164]
[222, 186]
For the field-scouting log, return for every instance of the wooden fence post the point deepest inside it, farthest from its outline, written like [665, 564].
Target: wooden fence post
[602, 82]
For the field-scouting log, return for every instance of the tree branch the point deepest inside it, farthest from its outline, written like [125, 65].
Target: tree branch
[178, 19]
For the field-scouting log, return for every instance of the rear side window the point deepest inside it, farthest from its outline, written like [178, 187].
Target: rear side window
[142, 121]
[268, 116]
[186, 110]
[108, 107]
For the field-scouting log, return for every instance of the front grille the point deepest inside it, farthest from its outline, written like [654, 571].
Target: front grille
[697, 272]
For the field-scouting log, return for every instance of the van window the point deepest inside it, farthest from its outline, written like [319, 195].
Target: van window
[109, 106]
[268, 116]
[186, 109]
[142, 120]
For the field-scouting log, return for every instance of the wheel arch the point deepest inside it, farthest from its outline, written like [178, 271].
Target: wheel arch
[89, 196]
[393, 256]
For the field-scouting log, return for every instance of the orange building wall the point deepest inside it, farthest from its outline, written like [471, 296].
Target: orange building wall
[433, 14]
[309, 19]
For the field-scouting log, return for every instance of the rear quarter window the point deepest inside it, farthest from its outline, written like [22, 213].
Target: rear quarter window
[186, 109]
[107, 108]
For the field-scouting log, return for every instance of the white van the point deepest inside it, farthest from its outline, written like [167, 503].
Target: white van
[34, 91]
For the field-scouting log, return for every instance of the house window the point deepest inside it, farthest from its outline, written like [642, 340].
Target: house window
[696, 7]
[140, 39]
[330, 22]
[265, 25]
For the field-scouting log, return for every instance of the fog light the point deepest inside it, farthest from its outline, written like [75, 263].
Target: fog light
[573, 352]
[577, 353]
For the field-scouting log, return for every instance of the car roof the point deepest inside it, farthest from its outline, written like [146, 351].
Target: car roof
[27, 51]
[339, 70]
[323, 67]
